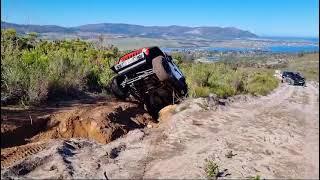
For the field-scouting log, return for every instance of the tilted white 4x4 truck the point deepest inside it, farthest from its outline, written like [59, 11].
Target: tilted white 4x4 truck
[151, 77]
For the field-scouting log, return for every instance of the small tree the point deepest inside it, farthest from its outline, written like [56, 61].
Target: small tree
[100, 41]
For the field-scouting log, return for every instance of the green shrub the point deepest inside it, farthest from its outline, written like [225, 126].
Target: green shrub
[200, 91]
[261, 83]
[33, 70]
[224, 90]
[224, 80]
[211, 169]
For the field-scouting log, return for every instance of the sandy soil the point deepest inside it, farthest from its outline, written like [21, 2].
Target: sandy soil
[275, 136]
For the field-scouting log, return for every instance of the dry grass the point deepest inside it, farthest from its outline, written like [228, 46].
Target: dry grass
[308, 65]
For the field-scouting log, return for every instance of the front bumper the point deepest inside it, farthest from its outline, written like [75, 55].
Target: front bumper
[300, 83]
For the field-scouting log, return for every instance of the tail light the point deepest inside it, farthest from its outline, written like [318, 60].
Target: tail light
[146, 51]
[134, 53]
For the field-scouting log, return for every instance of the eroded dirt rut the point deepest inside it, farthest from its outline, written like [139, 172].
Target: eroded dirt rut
[102, 122]
[275, 136]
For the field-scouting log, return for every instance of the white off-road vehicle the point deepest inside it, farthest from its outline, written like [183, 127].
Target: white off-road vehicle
[151, 77]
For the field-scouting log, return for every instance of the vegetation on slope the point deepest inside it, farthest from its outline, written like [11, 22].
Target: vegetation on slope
[224, 80]
[307, 64]
[34, 70]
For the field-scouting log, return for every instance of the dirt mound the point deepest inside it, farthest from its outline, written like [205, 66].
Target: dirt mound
[102, 123]
[166, 112]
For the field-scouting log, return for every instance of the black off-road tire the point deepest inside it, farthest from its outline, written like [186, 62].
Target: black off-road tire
[153, 105]
[118, 91]
[158, 68]
[291, 82]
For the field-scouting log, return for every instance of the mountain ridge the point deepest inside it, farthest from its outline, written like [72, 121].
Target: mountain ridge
[132, 30]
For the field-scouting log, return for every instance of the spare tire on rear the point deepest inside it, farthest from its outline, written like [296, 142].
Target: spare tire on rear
[158, 69]
[118, 91]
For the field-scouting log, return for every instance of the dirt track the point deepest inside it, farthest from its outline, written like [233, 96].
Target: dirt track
[276, 136]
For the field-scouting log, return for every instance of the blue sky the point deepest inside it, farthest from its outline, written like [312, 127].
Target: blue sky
[263, 17]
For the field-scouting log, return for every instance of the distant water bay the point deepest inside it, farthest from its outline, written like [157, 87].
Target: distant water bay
[293, 49]
[268, 49]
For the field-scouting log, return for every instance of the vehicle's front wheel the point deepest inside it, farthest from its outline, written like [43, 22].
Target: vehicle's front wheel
[291, 82]
[118, 91]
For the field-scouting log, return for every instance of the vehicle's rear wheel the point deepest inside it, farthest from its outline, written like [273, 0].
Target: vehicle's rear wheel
[158, 68]
[154, 104]
[117, 89]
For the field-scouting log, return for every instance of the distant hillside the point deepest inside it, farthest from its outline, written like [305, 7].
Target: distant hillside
[138, 30]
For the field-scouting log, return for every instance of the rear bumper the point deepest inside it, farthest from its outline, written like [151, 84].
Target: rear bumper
[129, 68]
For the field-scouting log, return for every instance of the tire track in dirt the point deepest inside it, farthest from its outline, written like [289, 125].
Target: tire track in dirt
[311, 148]
[12, 155]
[269, 135]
